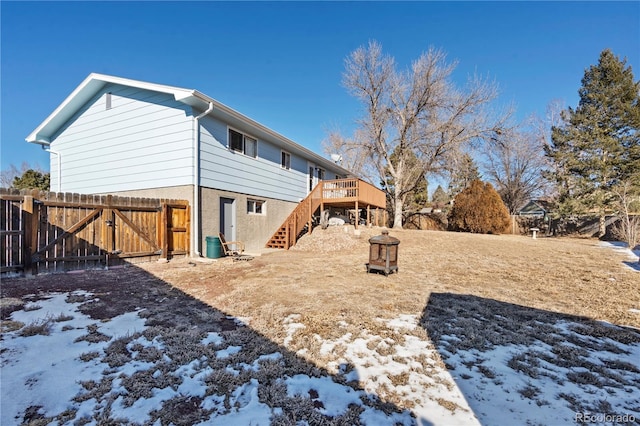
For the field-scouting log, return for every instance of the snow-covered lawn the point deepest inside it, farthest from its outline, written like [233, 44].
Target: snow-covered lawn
[59, 364]
[501, 363]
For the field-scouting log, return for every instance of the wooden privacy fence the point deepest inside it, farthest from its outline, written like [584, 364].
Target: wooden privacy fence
[51, 232]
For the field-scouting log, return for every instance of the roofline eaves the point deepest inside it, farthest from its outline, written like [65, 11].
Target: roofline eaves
[180, 95]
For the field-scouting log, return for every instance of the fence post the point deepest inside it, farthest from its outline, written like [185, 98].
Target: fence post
[29, 232]
[164, 232]
[108, 227]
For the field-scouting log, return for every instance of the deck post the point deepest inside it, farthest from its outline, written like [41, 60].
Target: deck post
[357, 214]
[368, 215]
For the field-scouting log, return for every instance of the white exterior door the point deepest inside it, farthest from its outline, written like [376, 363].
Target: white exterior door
[228, 218]
[315, 174]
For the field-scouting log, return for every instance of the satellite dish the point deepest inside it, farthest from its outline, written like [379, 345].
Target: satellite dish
[336, 158]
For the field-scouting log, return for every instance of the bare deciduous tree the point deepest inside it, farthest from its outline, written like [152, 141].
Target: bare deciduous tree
[351, 154]
[417, 113]
[515, 162]
[628, 228]
[8, 175]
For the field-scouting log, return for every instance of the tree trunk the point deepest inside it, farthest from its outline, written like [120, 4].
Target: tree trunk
[397, 213]
[602, 230]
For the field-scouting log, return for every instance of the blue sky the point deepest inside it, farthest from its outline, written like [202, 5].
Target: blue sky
[280, 63]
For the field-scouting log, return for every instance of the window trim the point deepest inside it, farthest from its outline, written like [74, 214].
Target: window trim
[255, 146]
[283, 164]
[256, 202]
[244, 142]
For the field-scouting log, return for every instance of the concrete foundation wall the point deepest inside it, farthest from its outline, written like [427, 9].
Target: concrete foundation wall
[252, 229]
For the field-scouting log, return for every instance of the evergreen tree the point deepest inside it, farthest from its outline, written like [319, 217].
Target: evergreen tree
[440, 198]
[463, 173]
[419, 197]
[32, 179]
[598, 146]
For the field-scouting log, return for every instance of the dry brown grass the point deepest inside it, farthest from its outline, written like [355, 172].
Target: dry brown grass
[317, 301]
[480, 288]
[557, 275]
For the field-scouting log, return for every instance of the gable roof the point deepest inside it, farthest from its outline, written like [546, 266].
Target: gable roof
[535, 207]
[95, 82]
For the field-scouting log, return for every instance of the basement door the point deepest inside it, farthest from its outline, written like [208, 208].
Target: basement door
[228, 218]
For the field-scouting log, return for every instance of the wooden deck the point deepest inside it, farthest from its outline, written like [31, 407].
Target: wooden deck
[349, 193]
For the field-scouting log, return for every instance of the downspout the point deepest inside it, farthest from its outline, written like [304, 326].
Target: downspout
[46, 146]
[59, 173]
[196, 182]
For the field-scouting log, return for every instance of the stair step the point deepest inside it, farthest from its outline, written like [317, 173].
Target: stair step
[299, 216]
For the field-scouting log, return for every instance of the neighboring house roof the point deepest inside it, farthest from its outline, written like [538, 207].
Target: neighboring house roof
[536, 207]
[95, 82]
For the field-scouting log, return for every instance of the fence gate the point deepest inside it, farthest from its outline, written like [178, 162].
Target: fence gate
[12, 248]
[50, 232]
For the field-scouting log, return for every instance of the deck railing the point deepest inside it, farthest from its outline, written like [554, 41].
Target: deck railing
[352, 190]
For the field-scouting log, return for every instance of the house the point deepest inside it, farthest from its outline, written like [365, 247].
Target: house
[127, 137]
[536, 208]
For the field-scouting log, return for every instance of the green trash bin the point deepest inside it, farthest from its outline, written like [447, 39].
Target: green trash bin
[214, 247]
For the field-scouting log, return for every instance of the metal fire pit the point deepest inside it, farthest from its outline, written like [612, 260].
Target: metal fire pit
[383, 253]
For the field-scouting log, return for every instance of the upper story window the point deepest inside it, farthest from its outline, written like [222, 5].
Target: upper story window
[285, 160]
[242, 143]
[321, 173]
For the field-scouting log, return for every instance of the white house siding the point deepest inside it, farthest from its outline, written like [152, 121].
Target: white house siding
[263, 176]
[143, 141]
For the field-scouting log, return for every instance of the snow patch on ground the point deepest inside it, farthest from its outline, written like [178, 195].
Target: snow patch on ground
[539, 384]
[46, 370]
[48, 373]
[633, 256]
[408, 367]
[583, 371]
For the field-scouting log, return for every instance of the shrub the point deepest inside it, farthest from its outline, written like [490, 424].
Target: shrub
[42, 327]
[479, 209]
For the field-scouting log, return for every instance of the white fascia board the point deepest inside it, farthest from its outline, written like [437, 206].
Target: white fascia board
[64, 111]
